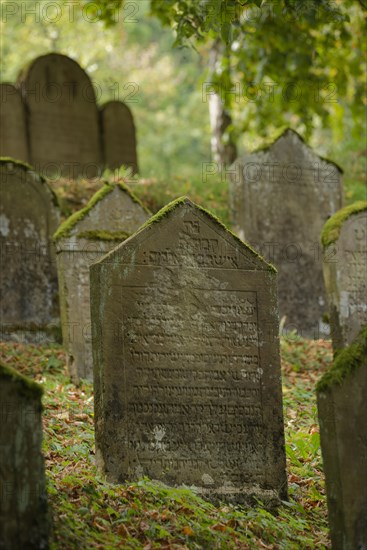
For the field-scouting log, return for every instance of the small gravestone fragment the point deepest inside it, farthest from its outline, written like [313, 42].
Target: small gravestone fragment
[119, 141]
[111, 216]
[280, 197]
[23, 500]
[29, 215]
[344, 240]
[186, 360]
[63, 120]
[13, 134]
[342, 412]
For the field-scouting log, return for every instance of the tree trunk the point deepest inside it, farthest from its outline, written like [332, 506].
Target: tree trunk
[223, 151]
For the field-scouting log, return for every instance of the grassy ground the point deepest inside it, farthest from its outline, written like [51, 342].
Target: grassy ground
[89, 513]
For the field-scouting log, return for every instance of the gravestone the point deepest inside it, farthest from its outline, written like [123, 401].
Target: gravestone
[63, 120]
[119, 141]
[344, 240]
[280, 197]
[186, 360]
[29, 215]
[111, 216]
[13, 134]
[23, 509]
[342, 412]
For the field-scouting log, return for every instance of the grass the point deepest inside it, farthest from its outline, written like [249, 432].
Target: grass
[89, 513]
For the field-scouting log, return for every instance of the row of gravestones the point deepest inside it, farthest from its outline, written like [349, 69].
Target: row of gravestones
[51, 119]
[187, 380]
[185, 291]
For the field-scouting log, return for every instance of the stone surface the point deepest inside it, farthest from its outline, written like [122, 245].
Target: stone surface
[119, 141]
[63, 123]
[28, 284]
[344, 240]
[23, 509]
[109, 218]
[280, 199]
[342, 411]
[186, 360]
[13, 135]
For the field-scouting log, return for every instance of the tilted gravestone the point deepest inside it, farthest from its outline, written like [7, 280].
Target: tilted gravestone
[13, 134]
[342, 412]
[29, 215]
[63, 123]
[119, 141]
[111, 216]
[281, 196]
[23, 500]
[186, 360]
[344, 240]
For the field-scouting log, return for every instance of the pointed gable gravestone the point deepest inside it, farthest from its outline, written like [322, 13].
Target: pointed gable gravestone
[112, 215]
[63, 123]
[119, 141]
[23, 501]
[186, 360]
[13, 134]
[344, 240]
[281, 197]
[29, 215]
[342, 412]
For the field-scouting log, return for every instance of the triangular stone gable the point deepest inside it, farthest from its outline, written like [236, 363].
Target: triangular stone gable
[186, 230]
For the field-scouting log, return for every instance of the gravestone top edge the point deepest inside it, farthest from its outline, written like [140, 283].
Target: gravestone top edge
[28, 386]
[21, 164]
[345, 362]
[117, 103]
[331, 230]
[165, 213]
[282, 134]
[65, 229]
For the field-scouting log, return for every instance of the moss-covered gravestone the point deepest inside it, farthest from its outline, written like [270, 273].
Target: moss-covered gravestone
[63, 119]
[111, 216]
[344, 240]
[342, 411]
[281, 196]
[13, 135]
[119, 141]
[23, 501]
[29, 215]
[186, 360]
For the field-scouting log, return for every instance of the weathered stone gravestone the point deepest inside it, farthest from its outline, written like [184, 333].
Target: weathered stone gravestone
[63, 122]
[111, 216]
[344, 240]
[23, 501]
[342, 411]
[119, 141]
[29, 215]
[13, 134]
[280, 199]
[186, 360]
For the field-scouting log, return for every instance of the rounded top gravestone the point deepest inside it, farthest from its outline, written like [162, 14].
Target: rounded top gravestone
[63, 123]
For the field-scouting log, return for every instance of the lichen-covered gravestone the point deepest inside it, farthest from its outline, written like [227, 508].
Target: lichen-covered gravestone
[280, 197]
[29, 215]
[13, 135]
[342, 412]
[23, 501]
[186, 360]
[112, 215]
[119, 141]
[344, 240]
[63, 124]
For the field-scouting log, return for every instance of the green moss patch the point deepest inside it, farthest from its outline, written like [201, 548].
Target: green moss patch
[27, 386]
[170, 207]
[20, 164]
[104, 235]
[348, 359]
[332, 227]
